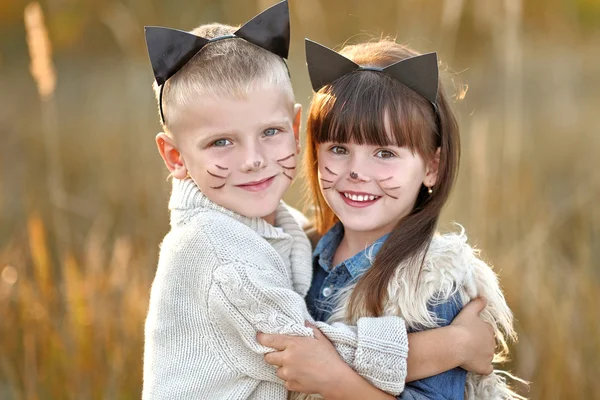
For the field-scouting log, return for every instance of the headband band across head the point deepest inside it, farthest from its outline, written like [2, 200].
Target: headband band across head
[170, 49]
[419, 73]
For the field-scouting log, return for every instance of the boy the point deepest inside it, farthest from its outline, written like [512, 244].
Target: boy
[235, 261]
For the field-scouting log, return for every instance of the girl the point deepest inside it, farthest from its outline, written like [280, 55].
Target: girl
[382, 156]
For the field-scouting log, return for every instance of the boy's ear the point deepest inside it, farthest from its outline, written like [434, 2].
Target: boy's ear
[171, 155]
[297, 125]
[431, 170]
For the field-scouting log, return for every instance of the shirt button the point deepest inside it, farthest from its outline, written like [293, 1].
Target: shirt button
[327, 292]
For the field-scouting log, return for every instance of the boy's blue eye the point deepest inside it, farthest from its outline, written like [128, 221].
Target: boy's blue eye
[385, 154]
[221, 142]
[271, 132]
[338, 150]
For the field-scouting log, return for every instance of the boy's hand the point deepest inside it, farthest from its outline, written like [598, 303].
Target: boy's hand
[478, 342]
[307, 365]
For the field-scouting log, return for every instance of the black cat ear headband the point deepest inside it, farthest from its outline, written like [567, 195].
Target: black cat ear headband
[419, 73]
[170, 49]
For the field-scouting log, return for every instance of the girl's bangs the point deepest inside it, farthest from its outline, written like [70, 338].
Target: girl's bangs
[370, 108]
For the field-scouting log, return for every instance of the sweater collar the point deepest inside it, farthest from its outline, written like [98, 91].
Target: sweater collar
[186, 197]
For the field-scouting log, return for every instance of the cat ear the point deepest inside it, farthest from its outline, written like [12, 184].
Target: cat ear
[269, 30]
[325, 65]
[419, 73]
[170, 49]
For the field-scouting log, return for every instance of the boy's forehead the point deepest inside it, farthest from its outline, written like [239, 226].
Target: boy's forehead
[256, 109]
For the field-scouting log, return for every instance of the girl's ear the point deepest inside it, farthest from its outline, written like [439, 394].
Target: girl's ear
[431, 170]
[171, 155]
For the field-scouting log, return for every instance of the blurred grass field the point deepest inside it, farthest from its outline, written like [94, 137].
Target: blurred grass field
[83, 191]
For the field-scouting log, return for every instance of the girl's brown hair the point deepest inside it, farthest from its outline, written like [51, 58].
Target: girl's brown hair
[365, 107]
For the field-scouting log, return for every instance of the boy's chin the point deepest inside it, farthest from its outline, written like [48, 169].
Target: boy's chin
[264, 209]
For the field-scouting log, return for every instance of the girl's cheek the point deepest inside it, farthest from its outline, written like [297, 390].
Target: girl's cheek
[330, 159]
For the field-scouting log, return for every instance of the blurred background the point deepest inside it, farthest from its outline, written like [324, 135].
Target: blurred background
[83, 191]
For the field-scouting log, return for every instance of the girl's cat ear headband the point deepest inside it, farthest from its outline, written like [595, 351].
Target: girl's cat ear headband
[420, 73]
[170, 49]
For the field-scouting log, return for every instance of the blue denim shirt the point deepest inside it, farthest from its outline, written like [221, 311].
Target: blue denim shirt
[327, 281]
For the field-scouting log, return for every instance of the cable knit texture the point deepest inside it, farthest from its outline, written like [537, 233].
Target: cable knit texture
[222, 278]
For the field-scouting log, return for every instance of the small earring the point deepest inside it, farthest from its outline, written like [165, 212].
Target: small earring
[353, 175]
[429, 190]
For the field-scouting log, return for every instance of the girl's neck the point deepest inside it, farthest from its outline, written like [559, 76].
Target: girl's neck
[354, 242]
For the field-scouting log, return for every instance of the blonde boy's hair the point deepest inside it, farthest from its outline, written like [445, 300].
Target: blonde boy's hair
[225, 68]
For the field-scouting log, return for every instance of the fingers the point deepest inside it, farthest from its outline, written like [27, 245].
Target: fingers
[282, 374]
[277, 342]
[316, 331]
[491, 331]
[488, 370]
[293, 386]
[476, 305]
[274, 358]
[484, 369]
[289, 383]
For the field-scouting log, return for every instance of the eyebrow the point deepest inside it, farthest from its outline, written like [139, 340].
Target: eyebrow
[277, 123]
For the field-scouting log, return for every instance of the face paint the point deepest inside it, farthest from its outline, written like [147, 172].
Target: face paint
[217, 176]
[385, 189]
[223, 140]
[330, 171]
[287, 168]
[383, 192]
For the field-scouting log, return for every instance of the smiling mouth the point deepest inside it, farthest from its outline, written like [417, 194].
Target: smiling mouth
[257, 186]
[361, 198]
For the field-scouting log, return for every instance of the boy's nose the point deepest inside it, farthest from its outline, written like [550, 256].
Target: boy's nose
[254, 161]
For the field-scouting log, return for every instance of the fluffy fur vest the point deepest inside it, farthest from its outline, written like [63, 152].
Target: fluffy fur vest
[450, 266]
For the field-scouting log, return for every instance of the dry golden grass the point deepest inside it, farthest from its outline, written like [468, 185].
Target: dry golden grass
[77, 333]
[81, 226]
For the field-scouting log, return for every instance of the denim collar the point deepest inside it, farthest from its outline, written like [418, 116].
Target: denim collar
[357, 264]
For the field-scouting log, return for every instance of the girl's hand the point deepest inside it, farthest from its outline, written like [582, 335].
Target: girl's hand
[478, 342]
[307, 365]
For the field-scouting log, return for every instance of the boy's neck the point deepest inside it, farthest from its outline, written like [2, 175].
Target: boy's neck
[270, 218]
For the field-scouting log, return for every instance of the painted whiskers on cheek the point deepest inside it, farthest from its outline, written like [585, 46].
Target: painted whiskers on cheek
[289, 168]
[218, 176]
[330, 171]
[385, 189]
[328, 181]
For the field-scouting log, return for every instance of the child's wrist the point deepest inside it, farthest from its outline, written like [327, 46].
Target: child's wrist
[341, 377]
[460, 340]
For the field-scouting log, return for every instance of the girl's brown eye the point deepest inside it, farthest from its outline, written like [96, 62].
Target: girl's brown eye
[338, 150]
[385, 154]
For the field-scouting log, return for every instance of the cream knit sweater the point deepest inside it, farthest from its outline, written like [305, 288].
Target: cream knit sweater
[222, 278]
